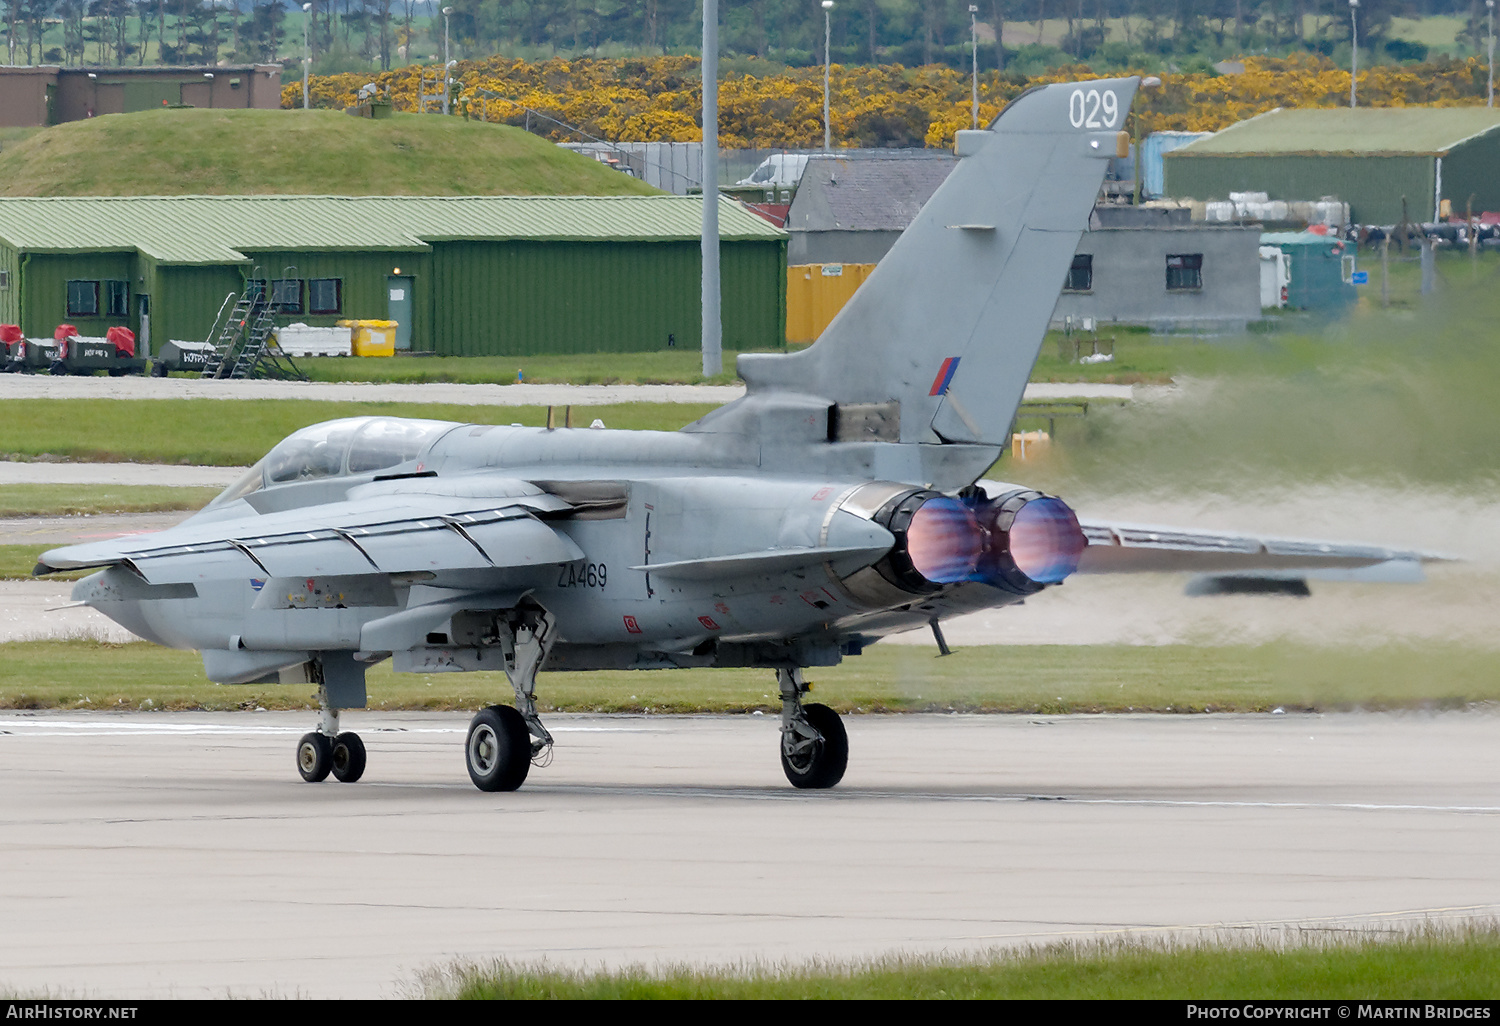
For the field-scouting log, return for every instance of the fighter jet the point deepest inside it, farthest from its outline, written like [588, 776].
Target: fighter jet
[839, 501]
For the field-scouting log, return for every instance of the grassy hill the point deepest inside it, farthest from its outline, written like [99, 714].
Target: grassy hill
[313, 152]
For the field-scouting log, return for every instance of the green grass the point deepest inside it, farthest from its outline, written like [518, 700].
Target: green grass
[664, 367]
[237, 152]
[1461, 964]
[23, 500]
[1052, 679]
[228, 433]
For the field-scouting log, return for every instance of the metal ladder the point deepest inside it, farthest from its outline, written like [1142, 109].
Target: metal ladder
[243, 343]
[226, 332]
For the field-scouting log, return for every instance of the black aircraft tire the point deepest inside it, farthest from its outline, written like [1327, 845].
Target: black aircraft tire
[825, 766]
[158, 369]
[348, 758]
[314, 757]
[498, 749]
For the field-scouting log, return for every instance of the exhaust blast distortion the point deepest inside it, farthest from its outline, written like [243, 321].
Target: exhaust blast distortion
[1019, 542]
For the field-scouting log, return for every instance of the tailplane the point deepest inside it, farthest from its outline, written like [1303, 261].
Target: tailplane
[949, 324]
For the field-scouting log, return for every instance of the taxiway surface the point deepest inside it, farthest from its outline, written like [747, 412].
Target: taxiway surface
[181, 856]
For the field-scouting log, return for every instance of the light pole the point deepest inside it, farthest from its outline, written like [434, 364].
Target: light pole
[974, 40]
[1149, 84]
[447, 64]
[1353, 51]
[1490, 18]
[712, 324]
[827, 40]
[306, 50]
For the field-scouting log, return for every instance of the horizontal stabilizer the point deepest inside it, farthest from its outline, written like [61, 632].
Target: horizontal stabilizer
[1118, 548]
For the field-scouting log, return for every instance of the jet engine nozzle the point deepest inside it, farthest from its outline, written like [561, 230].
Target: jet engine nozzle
[1021, 541]
[1034, 540]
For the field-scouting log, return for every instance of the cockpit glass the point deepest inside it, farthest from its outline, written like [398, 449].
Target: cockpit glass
[358, 445]
[313, 452]
[384, 442]
[252, 480]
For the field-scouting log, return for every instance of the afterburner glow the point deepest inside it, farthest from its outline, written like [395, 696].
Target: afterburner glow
[944, 542]
[1045, 540]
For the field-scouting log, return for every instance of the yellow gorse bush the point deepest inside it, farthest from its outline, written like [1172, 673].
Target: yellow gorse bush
[658, 99]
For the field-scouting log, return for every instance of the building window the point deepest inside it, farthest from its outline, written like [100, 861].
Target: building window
[325, 295]
[1184, 271]
[83, 299]
[1081, 274]
[4, 281]
[117, 299]
[286, 295]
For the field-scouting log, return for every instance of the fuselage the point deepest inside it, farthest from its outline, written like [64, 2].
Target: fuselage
[649, 548]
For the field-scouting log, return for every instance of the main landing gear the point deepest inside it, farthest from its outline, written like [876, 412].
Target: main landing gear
[814, 746]
[326, 750]
[503, 742]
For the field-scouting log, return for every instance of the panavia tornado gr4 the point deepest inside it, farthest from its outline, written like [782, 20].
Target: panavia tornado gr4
[838, 501]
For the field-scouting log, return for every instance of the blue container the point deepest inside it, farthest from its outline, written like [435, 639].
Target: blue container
[1153, 148]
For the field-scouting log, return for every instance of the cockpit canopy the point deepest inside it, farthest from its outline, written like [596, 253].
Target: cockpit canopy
[337, 448]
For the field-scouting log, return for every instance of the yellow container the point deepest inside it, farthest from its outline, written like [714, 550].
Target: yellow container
[372, 338]
[815, 293]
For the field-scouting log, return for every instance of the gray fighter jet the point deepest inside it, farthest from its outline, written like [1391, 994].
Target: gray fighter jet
[837, 502]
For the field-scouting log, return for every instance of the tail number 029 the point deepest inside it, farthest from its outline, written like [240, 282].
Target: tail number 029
[1085, 108]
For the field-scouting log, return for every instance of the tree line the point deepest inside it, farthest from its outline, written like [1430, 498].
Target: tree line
[349, 34]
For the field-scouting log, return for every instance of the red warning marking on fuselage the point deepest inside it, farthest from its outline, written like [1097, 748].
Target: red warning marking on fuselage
[708, 622]
[632, 625]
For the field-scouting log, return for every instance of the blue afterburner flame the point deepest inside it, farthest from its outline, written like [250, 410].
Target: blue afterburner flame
[950, 541]
[944, 541]
[1046, 541]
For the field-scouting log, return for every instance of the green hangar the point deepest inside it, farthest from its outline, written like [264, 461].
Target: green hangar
[461, 276]
[1369, 157]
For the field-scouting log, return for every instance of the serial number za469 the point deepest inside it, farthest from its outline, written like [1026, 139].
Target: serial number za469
[589, 575]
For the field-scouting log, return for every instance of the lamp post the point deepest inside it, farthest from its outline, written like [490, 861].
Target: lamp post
[712, 324]
[1490, 18]
[306, 50]
[1149, 84]
[1353, 51]
[974, 41]
[447, 64]
[827, 40]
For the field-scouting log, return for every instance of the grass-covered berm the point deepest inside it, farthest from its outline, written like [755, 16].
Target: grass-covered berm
[1454, 965]
[187, 152]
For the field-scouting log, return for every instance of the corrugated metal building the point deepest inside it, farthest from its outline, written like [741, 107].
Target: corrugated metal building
[852, 211]
[1368, 157]
[463, 276]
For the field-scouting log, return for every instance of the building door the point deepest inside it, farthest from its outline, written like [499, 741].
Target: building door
[399, 306]
[143, 336]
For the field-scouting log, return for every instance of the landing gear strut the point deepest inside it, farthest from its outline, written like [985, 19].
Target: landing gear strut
[503, 742]
[326, 750]
[814, 746]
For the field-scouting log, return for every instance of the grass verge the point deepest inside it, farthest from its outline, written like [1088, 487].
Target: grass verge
[228, 433]
[663, 367]
[1431, 965]
[29, 500]
[1049, 679]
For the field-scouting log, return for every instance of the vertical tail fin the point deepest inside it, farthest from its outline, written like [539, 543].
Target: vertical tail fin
[950, 322]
